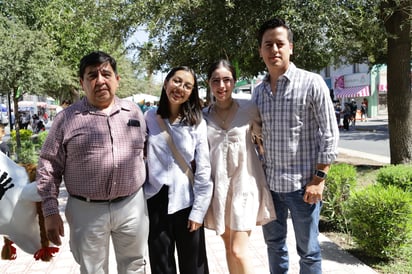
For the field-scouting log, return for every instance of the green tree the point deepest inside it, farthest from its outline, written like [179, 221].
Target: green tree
[199, 32]
[195, 33]
[25, 59]
[77, 27]
[43, 42]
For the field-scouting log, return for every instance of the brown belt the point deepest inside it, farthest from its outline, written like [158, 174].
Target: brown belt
[115, 200]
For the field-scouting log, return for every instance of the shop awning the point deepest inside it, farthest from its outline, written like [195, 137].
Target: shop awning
[361, 91]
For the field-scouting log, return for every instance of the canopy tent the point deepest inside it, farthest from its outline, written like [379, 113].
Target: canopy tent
[143, 98]
[360, 91]
[32, 106]
[25, 104]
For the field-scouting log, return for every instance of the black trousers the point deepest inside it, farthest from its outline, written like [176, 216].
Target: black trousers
[169, 231]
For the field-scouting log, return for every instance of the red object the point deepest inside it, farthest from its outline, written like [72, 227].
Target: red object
[45, 253]
[9, 251]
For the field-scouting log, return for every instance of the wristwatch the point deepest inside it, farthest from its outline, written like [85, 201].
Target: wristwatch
[321, 174]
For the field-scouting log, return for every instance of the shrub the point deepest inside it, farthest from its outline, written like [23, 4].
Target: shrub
[381, 220]
[30, 145]
[396, 175]
[341, 179]
[25, 135]
[41, 137]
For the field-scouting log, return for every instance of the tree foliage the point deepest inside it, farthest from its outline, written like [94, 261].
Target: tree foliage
[199, 32]
[75, 28]
[25, 57]
[196, 33]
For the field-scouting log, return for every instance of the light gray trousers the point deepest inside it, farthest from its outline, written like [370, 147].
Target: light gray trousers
[93, 224]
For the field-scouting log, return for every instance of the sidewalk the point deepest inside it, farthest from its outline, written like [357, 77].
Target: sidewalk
[335, 260]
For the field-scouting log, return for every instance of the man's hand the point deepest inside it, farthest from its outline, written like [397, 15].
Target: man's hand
[54, 228]
[314, 191]
[193, 226]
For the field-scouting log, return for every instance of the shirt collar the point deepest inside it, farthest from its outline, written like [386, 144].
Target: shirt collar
[119, 104]
[288, 74]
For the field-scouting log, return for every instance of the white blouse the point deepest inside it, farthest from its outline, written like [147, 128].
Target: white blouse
[163, 169]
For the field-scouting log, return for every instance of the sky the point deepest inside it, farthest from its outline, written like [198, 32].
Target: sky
[139, 37]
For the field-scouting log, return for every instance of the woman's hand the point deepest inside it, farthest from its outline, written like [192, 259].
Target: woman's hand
[193, 226]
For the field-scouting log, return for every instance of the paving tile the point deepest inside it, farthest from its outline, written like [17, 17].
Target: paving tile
[335, 259]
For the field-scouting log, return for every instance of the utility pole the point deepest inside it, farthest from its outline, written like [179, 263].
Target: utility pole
[9, 109]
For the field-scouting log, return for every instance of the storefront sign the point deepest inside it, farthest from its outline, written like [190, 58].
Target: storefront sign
[355, 80]
[383, 86]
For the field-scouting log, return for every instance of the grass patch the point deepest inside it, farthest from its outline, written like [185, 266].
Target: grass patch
[366, 175]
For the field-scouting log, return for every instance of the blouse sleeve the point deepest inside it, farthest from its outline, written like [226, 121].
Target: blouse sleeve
[203, 185]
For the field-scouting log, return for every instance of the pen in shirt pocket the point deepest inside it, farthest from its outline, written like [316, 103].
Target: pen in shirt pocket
[133, 123]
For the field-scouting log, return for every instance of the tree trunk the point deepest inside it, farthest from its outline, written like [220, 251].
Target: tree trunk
[17, 118]
[398, 26]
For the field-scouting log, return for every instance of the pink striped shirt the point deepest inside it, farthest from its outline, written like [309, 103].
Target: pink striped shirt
[99, 156]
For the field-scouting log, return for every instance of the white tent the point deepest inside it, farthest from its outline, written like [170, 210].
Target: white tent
[145, 97]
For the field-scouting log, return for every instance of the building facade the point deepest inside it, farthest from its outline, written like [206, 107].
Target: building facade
[358, 82]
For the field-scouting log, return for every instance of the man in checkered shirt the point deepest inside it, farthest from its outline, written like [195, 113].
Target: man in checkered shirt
[300, 137]
[96, 145]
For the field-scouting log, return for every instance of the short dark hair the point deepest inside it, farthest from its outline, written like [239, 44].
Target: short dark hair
[96, 58]
[224, 63]
[272, 24]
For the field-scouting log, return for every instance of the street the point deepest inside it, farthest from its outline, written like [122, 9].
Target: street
[370, 137]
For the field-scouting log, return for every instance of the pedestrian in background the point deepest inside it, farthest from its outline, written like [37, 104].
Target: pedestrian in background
[96, 145]
[364, 109]
[178, 196]
[300, 142]
[65, 104]
[347, 116]
[241, 198]
[354, 107]
[4, 147]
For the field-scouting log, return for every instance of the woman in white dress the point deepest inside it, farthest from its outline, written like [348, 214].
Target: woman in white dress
[241, 199]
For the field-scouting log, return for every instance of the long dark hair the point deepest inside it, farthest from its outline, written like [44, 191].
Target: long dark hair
[191, 109]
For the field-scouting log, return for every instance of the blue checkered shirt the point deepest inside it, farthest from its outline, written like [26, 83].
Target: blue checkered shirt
[299, 128]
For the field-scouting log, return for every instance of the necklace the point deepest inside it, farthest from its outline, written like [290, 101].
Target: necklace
[223, 113]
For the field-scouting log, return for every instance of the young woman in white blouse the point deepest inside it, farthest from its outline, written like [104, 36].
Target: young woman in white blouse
[176, 204]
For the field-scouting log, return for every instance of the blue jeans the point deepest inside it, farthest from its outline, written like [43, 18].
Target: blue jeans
[305, 218]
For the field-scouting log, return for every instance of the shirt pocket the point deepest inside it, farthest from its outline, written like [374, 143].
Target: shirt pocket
[137, 137]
